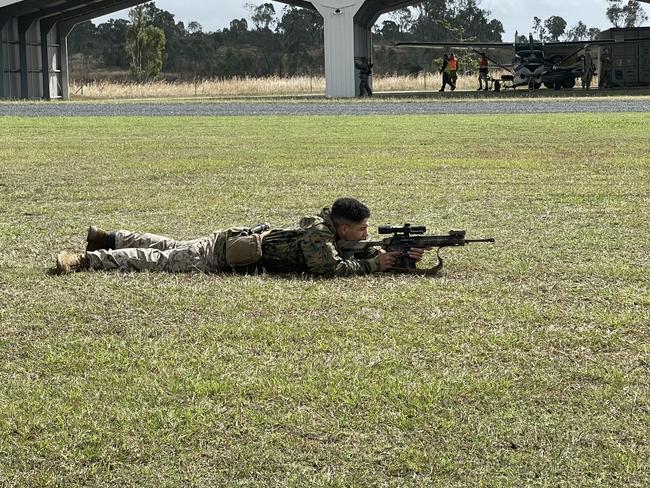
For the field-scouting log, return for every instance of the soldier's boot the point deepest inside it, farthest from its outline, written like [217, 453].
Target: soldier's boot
[98, 239]
[67, 262]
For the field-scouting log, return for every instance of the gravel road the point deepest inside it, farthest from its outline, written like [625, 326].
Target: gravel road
[318, 107]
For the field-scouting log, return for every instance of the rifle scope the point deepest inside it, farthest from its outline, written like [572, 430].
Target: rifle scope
[406, 229]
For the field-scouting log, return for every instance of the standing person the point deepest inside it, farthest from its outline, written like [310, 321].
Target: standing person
[453, 68]
[365, 72]
[308, 247]
[588, 69]
[446, 73]
[483, 72]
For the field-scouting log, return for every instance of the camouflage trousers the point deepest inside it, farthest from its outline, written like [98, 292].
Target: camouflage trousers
[150, 252]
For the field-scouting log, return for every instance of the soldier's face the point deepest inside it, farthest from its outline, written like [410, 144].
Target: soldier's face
[353, 232]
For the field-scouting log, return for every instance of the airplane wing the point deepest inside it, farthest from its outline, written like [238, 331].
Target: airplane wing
[510, 45]
[472, 46]
[598, 42]
[460, 45]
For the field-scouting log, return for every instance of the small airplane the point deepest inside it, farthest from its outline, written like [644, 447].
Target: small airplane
[530, 67]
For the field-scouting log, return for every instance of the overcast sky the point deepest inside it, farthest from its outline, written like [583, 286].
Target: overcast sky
[515, 14]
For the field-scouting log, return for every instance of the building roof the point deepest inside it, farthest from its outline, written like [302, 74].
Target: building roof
[63, 10]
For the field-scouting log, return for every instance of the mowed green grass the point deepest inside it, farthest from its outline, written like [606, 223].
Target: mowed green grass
[525, 363]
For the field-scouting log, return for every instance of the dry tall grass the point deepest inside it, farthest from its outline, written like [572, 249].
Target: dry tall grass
[246, 86]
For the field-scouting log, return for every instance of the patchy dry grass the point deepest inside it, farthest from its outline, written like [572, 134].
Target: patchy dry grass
[524, 364]
[247, 86]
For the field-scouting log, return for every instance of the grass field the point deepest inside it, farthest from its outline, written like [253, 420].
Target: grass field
[524, 364]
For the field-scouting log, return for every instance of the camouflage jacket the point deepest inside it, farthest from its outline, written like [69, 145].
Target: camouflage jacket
[311, 248]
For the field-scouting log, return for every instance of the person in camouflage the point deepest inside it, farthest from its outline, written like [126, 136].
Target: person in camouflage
[365, 72]
[309, 247]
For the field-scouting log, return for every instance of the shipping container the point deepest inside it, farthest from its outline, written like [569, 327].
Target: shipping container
[623, 65]
[644, 63]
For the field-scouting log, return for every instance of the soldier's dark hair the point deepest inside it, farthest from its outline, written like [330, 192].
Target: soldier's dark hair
[348, 211]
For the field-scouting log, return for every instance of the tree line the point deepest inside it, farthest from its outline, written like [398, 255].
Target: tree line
[620, 14]
[290, 42]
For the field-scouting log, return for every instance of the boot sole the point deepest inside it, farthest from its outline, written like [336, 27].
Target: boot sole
[92, 240]
[61, 269]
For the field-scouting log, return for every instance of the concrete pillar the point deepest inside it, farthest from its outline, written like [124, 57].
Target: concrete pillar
[338, 20]
[23, 25]
[46, 27]
[3, 60]
[63, 30]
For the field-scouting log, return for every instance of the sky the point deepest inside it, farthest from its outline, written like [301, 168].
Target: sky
[516, 15]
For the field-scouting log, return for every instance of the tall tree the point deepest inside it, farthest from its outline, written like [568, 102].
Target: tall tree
[577, 33]
[390, 30]
[145, 45]
[614, 12]
[592, 33]
[263, 16]
[238, 26]
[194, 28]
[450, 20]
[634, 14]
[112, 34]
[301, 31]
[403, 17]
[555, 25]
[538, 28]
[628, 14]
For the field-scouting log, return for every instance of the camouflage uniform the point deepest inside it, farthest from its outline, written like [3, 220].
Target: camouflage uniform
[365, 71]
[308, 248]
[587, 71]
[311, 248]
[150, 252]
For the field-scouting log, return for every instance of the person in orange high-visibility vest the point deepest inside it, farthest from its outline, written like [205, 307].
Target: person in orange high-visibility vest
[453, 68]
[483, 72]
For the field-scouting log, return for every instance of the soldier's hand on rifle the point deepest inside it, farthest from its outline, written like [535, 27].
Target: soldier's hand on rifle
[417, 253]
[387, 260]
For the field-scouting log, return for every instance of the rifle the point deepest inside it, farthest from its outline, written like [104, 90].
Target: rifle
[403, 239]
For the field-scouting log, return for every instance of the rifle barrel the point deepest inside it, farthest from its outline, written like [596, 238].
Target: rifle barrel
[491, 239]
